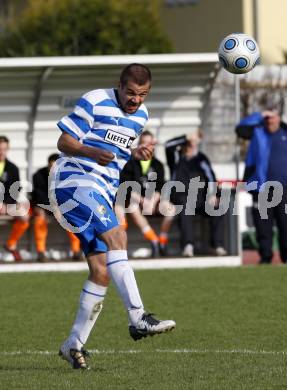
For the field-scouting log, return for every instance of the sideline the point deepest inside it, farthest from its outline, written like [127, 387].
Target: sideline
[139, 351]
[148, 264]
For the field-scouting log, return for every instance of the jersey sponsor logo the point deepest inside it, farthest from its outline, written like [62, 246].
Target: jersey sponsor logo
[118, 139]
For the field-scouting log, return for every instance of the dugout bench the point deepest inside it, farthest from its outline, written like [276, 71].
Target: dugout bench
[58, 238]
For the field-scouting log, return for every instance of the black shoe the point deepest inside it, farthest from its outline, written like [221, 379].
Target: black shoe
[163, 250]
[264, 261]
[77, 256]
[149, 326]
[155, 251]
[85, 353]
[42, 257]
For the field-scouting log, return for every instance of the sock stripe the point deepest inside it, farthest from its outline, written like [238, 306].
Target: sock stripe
[116, 261]
[97, 295]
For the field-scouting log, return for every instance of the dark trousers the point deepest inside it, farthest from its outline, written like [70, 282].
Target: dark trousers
[186, 226]
[264, 228]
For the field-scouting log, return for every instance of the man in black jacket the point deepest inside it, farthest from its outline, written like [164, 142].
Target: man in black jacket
[150, 176]
[9, 177]
[186, 162]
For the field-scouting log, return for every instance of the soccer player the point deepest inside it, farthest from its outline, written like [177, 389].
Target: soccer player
[95, 144]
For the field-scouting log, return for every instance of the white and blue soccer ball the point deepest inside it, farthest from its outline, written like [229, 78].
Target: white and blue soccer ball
[238, 53]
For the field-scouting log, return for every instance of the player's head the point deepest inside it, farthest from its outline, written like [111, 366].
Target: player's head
[51, 159]
[134, 86]
[195, 137]
[192, 142]
[272, 118]
[4, 147]
[146, 137]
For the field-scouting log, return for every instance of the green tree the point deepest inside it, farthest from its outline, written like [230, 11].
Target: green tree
[84, 27]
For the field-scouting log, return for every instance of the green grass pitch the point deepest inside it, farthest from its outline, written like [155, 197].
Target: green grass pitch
[231, 332]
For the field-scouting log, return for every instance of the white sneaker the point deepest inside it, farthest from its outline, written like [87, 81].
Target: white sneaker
[188, 251]
[220, 251]
[149, 326]
[7, 257]
[74, 356]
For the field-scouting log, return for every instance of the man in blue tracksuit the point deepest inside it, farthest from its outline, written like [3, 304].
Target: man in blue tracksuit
[266, 161]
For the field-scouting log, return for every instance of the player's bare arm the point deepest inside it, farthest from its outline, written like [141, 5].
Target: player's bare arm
[70, 146]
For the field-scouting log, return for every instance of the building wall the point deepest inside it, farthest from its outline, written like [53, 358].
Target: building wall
[272, 30]
[199, 26]
[249, 22]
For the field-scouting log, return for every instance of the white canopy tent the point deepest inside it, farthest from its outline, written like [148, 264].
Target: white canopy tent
[36, 92]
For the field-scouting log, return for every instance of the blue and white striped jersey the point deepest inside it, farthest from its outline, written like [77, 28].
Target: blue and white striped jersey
[97, 120]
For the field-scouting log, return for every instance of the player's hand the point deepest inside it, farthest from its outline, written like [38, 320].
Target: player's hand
[144, 152]
[3, 209]
[213, 201]
[103, 157]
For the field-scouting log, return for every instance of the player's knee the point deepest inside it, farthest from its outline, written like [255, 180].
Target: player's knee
[115, 239]
[38, 212]
[167, 209]
[119, 240]
[23, 219]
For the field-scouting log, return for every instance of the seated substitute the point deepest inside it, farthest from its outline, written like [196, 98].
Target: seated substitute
[40, 197]
[147, 173]
[186, 162]
[9, 174]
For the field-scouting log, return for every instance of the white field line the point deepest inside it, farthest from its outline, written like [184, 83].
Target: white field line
[167, 351]
[147, 264]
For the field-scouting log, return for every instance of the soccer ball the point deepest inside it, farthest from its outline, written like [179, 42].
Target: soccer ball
[238, 53]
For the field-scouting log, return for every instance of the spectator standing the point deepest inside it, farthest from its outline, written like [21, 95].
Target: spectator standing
[266, 161]
[186, 162]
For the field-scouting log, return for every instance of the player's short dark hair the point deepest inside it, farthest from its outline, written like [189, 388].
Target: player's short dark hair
[138, 73]
[4, 139]
[53, 157]
[146, 132]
